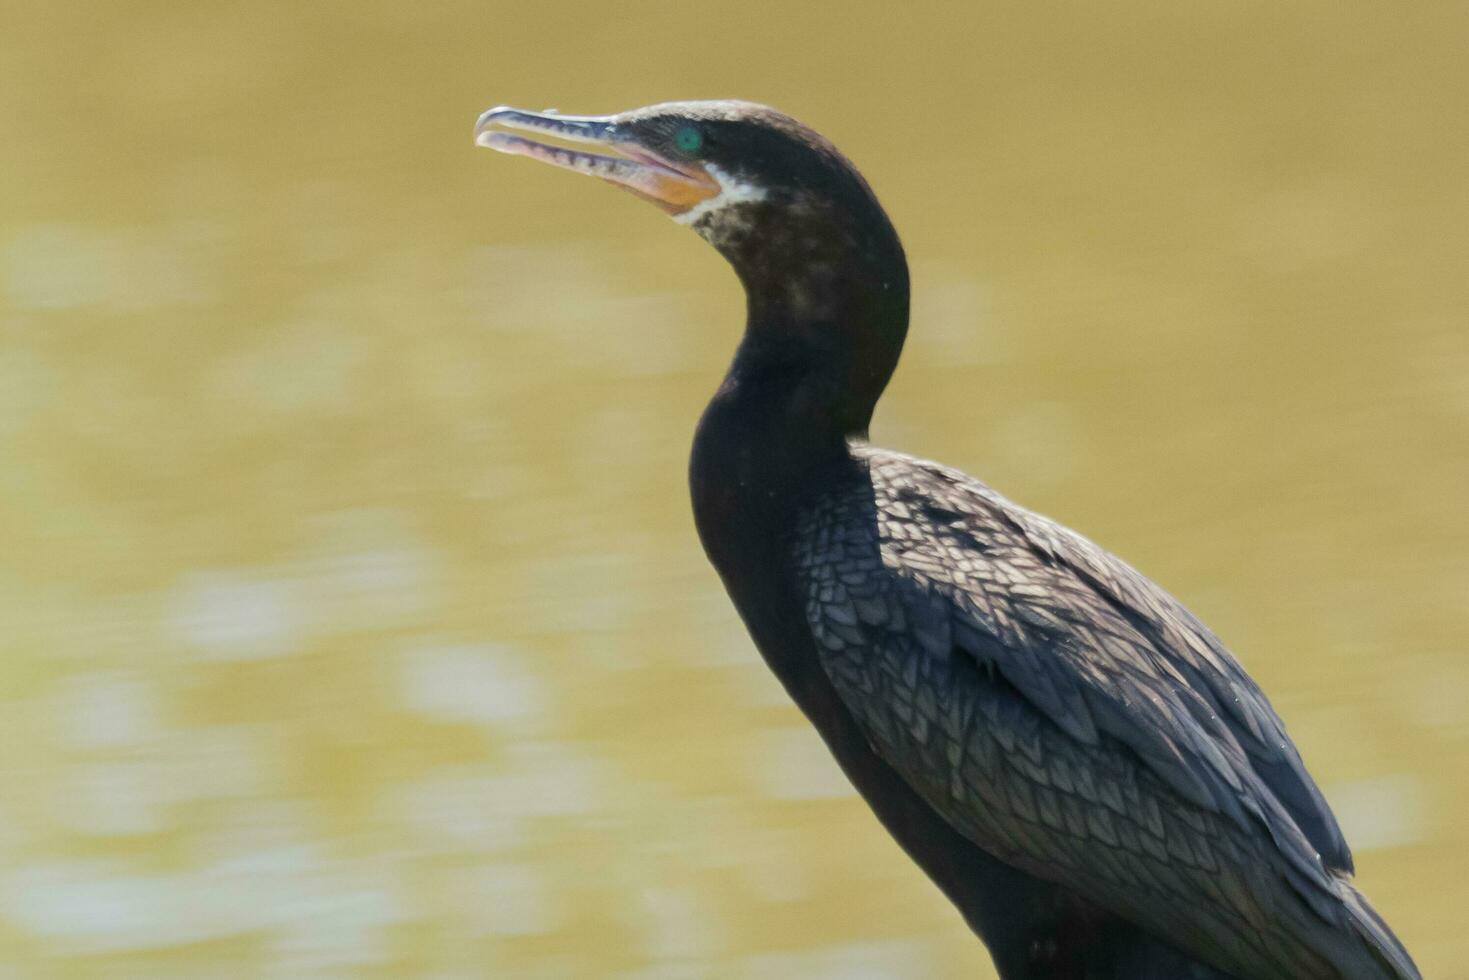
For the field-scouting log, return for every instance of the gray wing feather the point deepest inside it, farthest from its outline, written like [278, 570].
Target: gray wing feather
[1068, 715]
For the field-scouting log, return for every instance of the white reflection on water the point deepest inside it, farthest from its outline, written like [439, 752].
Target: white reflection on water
[303, 366]
[792, 763]
[95, 905]
[231, 616]
[1389, 811]
[115, 799]
[57, 267]
[678, 926]
[27, 386]
[317, 911]
[105, 709]
[140, 791]
[473, 683]
[896, 959]
[509, 899]
[457, 806]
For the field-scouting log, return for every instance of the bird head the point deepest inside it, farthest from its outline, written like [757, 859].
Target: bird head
[823, 270]
[723, 167]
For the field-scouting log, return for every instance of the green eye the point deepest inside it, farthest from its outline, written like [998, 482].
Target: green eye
[688, 139]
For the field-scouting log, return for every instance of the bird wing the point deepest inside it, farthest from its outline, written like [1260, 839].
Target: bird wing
[1066, 714]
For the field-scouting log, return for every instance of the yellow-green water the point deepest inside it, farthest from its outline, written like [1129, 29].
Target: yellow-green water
[352, 622]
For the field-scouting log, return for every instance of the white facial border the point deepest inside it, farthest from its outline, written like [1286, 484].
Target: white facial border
[731, 191]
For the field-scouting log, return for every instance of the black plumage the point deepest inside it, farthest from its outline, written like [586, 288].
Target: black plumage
[1070, 755]
[1071, 718]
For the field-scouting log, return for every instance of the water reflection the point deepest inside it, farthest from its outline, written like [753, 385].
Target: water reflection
[353, 620]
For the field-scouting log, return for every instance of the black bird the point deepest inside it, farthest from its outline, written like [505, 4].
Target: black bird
[1072, 757]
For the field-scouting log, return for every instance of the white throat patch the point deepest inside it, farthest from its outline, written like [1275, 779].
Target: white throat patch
[731, 191]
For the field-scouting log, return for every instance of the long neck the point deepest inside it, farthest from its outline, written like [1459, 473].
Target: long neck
[826, 287]
[827, 299]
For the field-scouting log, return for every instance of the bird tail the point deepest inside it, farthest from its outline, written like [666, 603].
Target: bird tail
[1378, 938]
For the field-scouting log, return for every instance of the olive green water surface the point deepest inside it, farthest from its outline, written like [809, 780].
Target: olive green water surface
[352, 622]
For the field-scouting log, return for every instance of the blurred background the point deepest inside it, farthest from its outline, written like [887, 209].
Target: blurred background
[352, 621]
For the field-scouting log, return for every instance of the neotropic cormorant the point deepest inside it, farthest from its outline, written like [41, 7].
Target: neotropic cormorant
[1071, 756]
